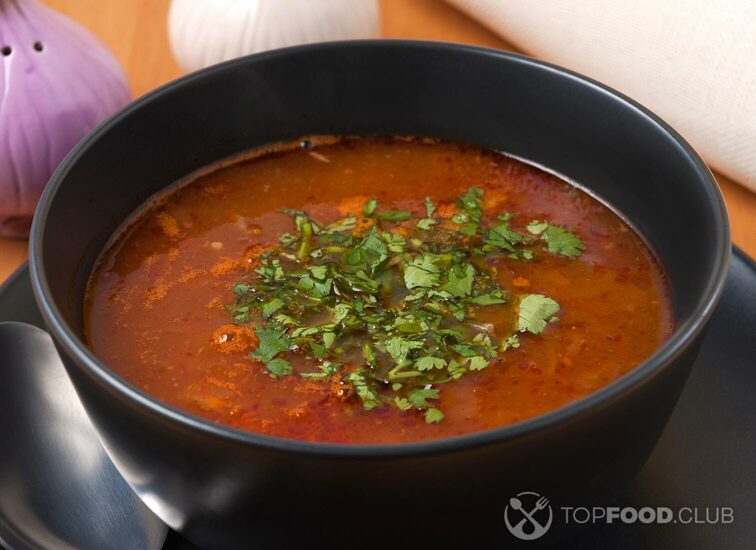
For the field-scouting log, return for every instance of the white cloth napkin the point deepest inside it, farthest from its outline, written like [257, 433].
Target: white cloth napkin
[692, 62]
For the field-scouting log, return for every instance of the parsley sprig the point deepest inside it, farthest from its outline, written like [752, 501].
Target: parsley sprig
[385, 305]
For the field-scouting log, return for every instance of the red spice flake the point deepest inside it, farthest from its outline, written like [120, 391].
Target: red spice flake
[520, 282]
[168, 224]
[352, 206]
[297, 412]
[224, 267]
[234, 339]
[189, 275]
[225, 384]
[251, 257]
[156, 293]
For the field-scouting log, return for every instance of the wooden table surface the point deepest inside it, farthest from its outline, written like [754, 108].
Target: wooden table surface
[135, 30]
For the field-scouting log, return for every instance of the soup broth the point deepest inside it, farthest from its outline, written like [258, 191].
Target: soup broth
[375, 290]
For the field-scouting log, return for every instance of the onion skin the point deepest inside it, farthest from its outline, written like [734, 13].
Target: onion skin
[57, 83]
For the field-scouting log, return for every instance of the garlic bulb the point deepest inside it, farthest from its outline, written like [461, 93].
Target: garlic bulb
[205, 32]
[57, 81]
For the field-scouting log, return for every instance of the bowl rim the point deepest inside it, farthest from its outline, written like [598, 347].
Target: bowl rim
[652, 366]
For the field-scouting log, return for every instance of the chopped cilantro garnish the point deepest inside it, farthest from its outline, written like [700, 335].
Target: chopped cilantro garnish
[496, 296]
[536, 227]
[500, 236]
[428, 222]
[272, 342]
[535, 311]
[370, 207]
[402, 403]
[428, 363]
[389, 310]
[559, 241]
[460, 280]
[430, 208]
[512, 342]
[419, 397]
[422, 271]
[346, 224]
[398, 348]
[269, 308]
[279, 367]
[364, 389]
[395, 215]
[478, 363]
[433, 415]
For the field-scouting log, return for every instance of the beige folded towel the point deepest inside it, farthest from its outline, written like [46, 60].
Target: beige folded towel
[692, 62]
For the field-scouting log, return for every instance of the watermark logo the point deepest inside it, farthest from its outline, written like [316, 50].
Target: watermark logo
[528, 515]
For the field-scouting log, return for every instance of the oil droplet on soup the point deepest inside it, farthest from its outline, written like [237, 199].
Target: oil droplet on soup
[375, 290]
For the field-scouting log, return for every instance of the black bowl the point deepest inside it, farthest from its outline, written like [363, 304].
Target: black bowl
[221, 487]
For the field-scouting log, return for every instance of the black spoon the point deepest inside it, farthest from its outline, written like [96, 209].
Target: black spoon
[58, 488]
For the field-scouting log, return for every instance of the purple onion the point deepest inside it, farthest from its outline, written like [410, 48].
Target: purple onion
[57, 82]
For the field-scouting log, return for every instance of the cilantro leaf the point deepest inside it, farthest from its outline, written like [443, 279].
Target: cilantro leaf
[368, 254]
[472, 202]
[287, 239]
[318, 350]
[478, 363]
[316, 289]
[429, 363]
[559, 240]
[456, 369]
[319, 272]
[419, 397]
[433, 415]
[279, 367]
[370, 207]
[426, 224]
[398, 348]
[496, 296]
[369, 354]
[402, 403]
[345, 224]
[364, 389]
[422, 271]
[512, 342]
[469, 229]
[328, 339]
[327, 369]
[394, 215]
[465, 350]
[536, 227]
[563, 242]
[269, 308]
[535, 311]
[460, 280]
[395, 242]
[272, 342]
[500, 236]
[430, 208]
[240, 289]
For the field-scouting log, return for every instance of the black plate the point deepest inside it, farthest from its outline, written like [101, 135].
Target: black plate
[705, 458]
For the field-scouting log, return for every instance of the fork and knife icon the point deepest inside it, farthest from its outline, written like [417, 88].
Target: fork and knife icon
[529, 527]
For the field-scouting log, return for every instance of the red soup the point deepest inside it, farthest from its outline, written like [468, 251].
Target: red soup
[375, 290]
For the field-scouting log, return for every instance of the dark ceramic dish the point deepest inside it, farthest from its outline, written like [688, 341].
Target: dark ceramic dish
[223, 488]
